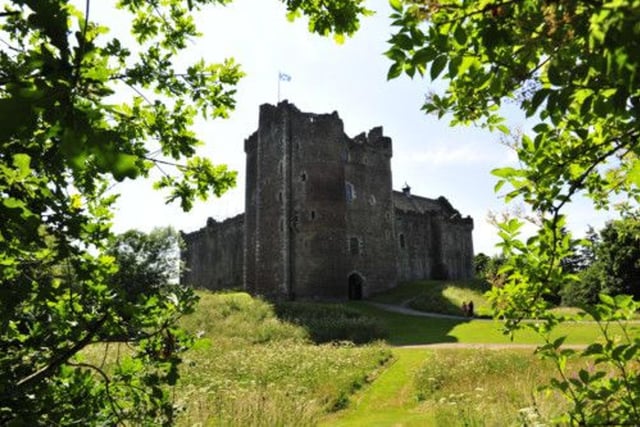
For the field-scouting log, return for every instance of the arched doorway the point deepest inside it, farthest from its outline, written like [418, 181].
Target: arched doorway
[355, 286]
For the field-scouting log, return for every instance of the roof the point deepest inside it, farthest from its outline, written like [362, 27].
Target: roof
[407, 202]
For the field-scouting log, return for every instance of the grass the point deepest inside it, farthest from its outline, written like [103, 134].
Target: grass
[455, 388]
[259, 364]
[412, 330]
[256, 369]
[332, 322]
[439, 296]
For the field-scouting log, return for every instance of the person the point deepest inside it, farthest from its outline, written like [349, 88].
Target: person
[470, 309]
[465, 308]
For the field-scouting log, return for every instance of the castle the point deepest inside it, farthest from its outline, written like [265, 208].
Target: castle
[322, 219]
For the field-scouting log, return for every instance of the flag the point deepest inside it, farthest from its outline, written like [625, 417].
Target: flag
[284, 77]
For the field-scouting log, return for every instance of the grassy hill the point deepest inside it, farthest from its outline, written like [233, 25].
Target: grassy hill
[252, 368]
[295, 364]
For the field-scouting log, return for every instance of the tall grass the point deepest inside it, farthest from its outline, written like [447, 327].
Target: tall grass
[486, 388]
[252, 368]
[332, 322]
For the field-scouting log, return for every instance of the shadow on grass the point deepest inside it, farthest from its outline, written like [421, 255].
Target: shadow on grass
[329, 322]
[405, 329]
[445, 297]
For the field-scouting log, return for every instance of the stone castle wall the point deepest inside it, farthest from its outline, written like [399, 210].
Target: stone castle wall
[322, 220]
[214, 255]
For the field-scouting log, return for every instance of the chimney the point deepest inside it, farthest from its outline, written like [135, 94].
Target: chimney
[406, 190]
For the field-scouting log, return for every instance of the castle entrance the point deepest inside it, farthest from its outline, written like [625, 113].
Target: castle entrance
[355, 286]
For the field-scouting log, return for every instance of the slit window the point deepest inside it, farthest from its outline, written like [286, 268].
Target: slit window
[350, 192]
[402, 242]
[354, 246]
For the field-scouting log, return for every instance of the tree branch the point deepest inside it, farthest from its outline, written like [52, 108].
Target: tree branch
[63, 357]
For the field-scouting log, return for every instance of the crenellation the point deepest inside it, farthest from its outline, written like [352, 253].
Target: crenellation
[322, 219]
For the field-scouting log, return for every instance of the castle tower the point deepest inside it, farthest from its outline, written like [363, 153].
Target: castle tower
[295, 205]
[315, 202]
[370, 222]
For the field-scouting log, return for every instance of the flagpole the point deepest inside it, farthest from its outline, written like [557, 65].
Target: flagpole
[279, 88]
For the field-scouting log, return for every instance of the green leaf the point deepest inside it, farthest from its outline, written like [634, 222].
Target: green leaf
[22, 162]
[460, 35]
[395, 70]
[125, 167]
[424, 55]
[437, 66]
[396, 5]
[506, 172]
[403, 41]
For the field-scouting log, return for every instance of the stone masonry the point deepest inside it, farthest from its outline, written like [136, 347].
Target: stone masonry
[322, 219]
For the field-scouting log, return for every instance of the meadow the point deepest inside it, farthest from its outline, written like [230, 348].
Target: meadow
[295, 364]
[251, 368]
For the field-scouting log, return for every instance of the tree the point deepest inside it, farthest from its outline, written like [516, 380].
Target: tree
[573, 68]
[618, 257]
[63, 142]
[145, 261]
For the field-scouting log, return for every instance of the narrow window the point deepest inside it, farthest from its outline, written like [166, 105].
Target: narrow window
[354, 246]
[350, 191]
[313, 215]
[402, 242]
[280, 197]
[303, 177]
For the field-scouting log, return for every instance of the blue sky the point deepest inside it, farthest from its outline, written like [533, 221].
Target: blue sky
[433, 158]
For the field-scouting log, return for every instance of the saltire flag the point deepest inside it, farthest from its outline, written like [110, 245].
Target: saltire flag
[284, 77]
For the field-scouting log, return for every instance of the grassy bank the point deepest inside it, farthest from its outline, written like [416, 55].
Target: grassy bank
[253, 368]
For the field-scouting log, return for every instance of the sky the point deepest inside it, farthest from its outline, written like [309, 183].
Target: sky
[428, 155]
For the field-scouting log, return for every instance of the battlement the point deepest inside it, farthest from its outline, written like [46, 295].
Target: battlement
[373, 141]
[322, 219]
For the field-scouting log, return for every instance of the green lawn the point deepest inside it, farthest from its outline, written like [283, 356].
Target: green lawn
[439, 296]
[411, 330]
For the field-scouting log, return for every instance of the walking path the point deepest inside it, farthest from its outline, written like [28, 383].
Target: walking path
[403, 309]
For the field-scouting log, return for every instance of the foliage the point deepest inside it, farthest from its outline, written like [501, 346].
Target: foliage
[330, 322]
[480, 262]
[573, 68]
[607, 392]
[615, 265]
[145, 261]
[584, 291]
[82, 109]
[488, 268]
[618, 252]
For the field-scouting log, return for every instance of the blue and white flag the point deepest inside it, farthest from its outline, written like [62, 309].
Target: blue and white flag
[284, 77]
